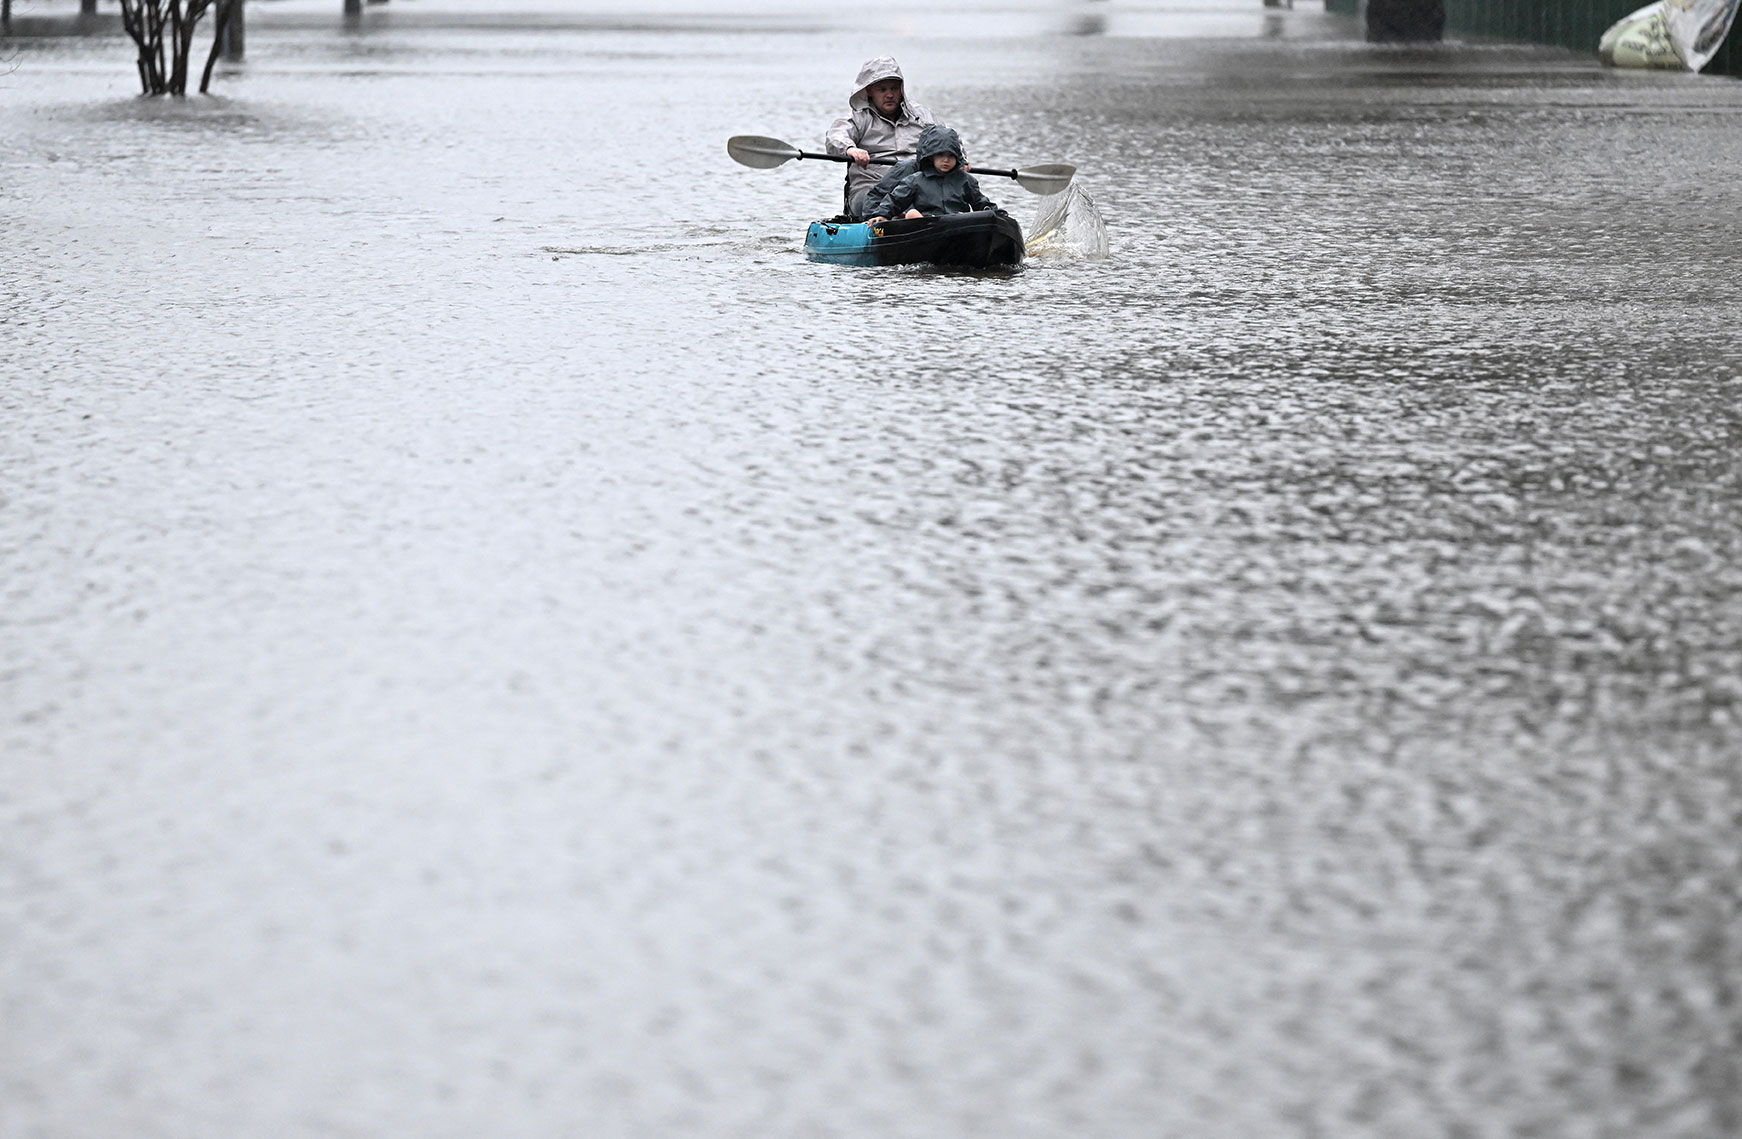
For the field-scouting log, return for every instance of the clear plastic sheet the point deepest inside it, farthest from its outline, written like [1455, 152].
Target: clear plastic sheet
[1669, 34]
[1697, 28]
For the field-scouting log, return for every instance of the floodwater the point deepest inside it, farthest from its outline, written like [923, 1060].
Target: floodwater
[493, 642]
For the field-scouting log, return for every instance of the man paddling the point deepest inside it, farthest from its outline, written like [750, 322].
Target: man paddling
[880, 123]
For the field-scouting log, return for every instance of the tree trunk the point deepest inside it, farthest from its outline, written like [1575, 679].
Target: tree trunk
[226, 38]
[164, 32]
[178, 38]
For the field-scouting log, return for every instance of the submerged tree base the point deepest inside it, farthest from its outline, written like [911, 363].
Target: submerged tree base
[163, 31]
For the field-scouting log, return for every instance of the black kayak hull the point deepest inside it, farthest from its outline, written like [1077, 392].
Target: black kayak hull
[970, 241]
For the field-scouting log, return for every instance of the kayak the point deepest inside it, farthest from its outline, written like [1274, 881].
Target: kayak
[972, 241]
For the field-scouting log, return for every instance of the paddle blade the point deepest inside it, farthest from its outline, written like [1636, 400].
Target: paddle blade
[759, 152]
[1051, 178]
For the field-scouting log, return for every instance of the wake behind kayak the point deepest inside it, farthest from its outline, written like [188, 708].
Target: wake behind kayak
[979, 240]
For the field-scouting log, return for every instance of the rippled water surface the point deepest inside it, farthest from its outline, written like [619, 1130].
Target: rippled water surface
[493, 642]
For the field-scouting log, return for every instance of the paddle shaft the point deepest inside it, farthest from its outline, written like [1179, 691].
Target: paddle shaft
[804, 154]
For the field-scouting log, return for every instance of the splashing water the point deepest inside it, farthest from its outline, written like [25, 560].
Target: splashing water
[1067, 225]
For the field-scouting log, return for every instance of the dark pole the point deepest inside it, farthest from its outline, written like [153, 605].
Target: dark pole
[234, 33]
[353, 8]
[1405, 21]
[87, 7]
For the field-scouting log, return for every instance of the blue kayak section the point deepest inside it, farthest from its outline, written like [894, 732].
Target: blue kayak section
[840, 243]
[981, 240]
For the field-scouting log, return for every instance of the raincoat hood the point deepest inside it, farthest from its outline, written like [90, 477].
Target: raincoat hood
[863, 127]
[873, 71]
[938, 139]
[929, 190]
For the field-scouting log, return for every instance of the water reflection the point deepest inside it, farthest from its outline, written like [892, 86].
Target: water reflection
[497, 638]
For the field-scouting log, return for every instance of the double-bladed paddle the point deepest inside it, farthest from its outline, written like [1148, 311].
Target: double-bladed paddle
[766, 153]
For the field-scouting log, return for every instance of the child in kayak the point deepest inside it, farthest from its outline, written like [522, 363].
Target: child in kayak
[875, 203]
[938, 184]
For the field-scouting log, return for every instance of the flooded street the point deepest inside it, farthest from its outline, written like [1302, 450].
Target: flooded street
[493, 642]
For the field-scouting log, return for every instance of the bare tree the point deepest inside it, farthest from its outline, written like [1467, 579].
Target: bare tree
[163, 30]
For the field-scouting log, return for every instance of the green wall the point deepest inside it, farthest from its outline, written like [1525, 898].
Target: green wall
[1577, 24]
[1570, 23]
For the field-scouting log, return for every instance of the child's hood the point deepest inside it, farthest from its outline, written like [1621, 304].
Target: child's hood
[937, 139]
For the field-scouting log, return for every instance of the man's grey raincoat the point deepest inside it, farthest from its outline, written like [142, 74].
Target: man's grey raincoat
[864, 127]
[876, 200]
